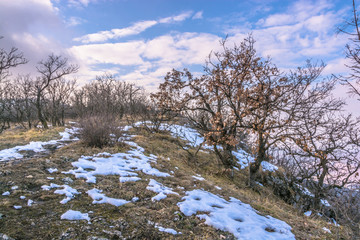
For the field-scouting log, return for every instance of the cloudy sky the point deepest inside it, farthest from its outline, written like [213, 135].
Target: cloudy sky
[141, 40]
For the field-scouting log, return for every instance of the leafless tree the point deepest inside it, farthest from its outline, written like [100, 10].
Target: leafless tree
[50, 70]
[59, 92]
[10, 59]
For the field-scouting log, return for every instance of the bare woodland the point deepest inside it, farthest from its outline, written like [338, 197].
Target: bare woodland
[241, 101]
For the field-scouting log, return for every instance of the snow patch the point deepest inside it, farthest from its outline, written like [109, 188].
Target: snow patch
[68, 191]
[52, 170]
[162, 190]
[167, 230]
[234, 216]
[13, 153]
[122, 164]
[308, 213]
[198, 177]
[75, 215]
[99, 198]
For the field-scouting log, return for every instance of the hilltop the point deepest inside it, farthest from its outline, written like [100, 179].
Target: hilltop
[146, 187]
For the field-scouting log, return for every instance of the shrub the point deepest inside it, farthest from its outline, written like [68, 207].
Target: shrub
[99, 131]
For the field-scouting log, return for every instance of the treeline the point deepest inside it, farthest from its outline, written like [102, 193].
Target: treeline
[51, 96]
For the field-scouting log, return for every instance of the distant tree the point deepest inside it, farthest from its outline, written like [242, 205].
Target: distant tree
[50, 70]
[59, 93]
[10, 59]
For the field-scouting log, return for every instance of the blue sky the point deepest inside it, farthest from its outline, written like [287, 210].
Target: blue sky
[141, 40]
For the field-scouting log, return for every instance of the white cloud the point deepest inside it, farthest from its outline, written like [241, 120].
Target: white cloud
[278, 19]
[127, 53]
[198, 15]
[134, 29]
[34, 27]
[74, 21]
[176, 18]
[80, 3]
[102, 36]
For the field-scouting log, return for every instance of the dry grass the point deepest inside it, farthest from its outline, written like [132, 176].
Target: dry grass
[133, 220]
[16, 136]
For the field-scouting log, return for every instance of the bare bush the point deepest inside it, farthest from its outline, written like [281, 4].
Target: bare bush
[100, 131]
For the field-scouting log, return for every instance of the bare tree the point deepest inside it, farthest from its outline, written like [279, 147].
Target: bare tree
[59, 92]
[51, 69]
[10, 59]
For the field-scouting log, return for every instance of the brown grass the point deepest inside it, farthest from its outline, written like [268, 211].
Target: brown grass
[133, 220]
[16, 136]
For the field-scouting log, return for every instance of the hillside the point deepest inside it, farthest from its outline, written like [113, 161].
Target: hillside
[146, 187]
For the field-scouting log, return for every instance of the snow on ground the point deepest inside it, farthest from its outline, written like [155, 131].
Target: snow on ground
[122, 164]
[7, 193]
[99, 198]
[162, 190]
[325, 203]
[244, 158]
[198, 177]
[308, 213]
[13, 153]
[75, 215]
[52, 170]
[68, 191]
[167, 230]
[326, 230]
[129, 179]
[17, 207]
[30, 202]
[234, 216]
[305, 190]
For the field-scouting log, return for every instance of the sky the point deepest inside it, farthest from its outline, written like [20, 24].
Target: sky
[140, 40]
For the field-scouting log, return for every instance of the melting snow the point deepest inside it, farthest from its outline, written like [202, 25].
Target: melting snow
[326, 230]
[22, 197]
[13, 153]
[325, 203]
[308, 213]
[17, 207]
[162, 190]
[122, 164]
[198, 177]
[129, 179]
[7, 193]
[167, 230]
[75, 215]
[234, 216]
[52, 170]
[68, 191]
[14, 187]
[30, 202]
[99, 197]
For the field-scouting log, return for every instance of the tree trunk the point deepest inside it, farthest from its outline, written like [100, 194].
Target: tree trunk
[39, 111]
[260, 157]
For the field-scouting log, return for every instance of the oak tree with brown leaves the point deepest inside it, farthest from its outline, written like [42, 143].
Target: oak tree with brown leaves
[240, 93]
